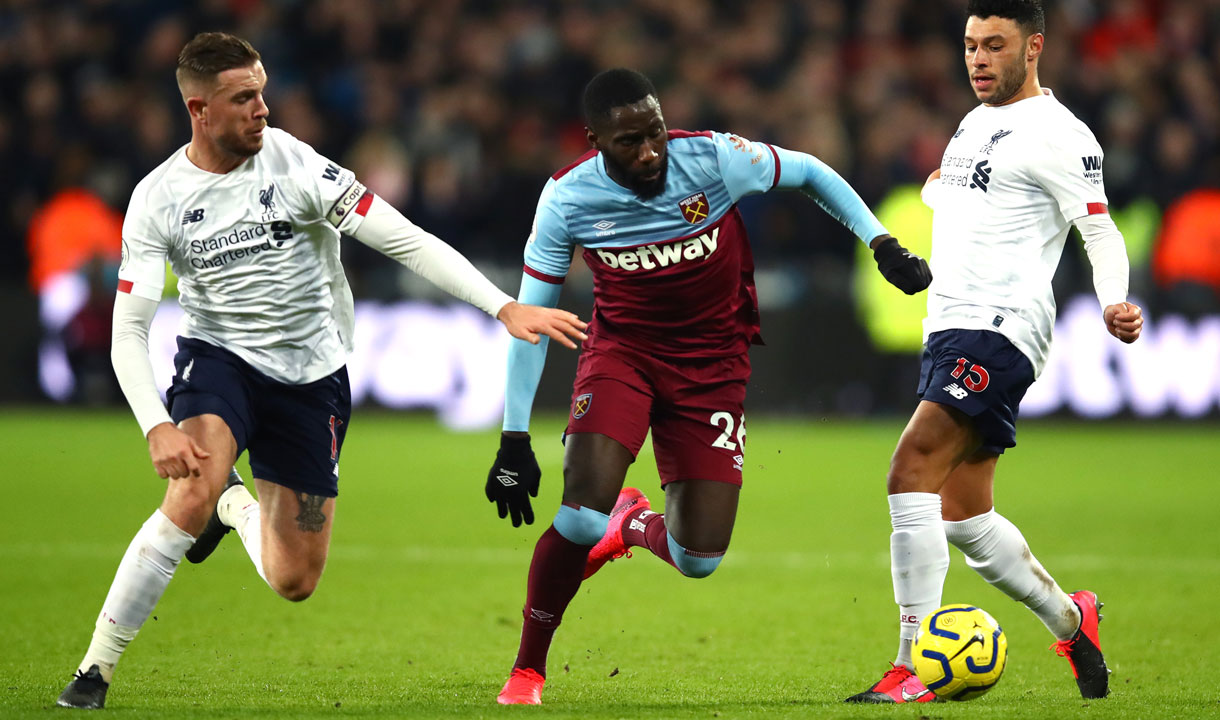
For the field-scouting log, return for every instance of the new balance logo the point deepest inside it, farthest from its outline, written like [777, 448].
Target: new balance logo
[508, 479]
[981, 176]
[186, 372]
[1091, 163]
[192, 216]
[956, 391]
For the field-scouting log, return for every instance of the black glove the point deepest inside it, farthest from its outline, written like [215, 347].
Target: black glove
[904, 269]
[514, 474]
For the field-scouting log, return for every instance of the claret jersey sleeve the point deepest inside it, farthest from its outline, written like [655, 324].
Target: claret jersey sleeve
[1069, 170]
[548, 251]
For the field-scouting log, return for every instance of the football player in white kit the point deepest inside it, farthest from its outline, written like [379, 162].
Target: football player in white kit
[250, 219]
[1019, 171]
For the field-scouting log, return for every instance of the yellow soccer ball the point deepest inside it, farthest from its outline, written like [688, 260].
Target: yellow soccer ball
[959, 652]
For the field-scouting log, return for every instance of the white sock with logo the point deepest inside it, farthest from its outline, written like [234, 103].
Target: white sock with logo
[143, 574]
[239, 510]
[919, 561]
[996, 550]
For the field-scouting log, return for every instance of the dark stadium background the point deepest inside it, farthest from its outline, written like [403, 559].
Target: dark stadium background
[458, 111]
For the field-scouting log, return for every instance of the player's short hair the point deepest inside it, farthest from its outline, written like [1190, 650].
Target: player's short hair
[210, 53]
[614, 88]
[1028, 14]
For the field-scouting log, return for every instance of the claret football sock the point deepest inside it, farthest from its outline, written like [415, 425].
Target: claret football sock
[555, 574]
[997, 551]
[646, 528]
[239, 510]
[143, 574]
[919, 560]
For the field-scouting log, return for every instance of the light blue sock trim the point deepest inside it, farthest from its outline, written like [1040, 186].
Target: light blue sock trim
[692, 565]
[583, 526]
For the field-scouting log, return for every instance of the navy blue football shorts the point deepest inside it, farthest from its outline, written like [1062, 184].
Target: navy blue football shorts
[294, 432]
[980, 373]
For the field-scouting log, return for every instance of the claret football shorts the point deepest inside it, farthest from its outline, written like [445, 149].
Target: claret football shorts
[696, 409]
[980, 373]
[294, 432]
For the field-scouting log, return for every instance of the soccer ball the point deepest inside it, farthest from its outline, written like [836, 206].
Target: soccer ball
[959, 652]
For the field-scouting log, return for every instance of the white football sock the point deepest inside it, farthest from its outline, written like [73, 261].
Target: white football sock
[239, 510]
[995, 548]
[143, 574]
[919, 560]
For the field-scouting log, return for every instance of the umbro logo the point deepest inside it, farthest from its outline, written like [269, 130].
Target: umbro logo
[603, 225]
[192, 216]
[542, 614]
[508, 479]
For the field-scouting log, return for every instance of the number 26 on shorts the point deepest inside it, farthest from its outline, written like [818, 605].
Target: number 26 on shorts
[724, 421]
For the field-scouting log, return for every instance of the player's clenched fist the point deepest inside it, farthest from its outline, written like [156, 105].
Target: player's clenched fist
[904, 269]
[1124, 321]
[514, 478]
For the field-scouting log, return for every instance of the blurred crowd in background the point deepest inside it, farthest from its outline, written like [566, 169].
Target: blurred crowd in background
[457, 111]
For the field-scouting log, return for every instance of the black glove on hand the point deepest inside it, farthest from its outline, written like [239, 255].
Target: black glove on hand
[514, 475]
[904, 269]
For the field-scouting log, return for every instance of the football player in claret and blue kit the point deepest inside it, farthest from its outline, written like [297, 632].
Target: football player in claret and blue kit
[250, 219]
[675, 312]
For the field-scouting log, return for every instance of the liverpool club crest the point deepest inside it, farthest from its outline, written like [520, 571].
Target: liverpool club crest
[695, 208]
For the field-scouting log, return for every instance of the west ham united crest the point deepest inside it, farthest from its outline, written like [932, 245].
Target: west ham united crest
[694, 208]
[581, 404]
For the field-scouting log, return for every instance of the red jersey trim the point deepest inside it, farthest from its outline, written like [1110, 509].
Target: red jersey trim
[125, 286]
[366, 200]
[552, 279]
[678, 134]
[583, 158]
[1097, 209]
[775, 180]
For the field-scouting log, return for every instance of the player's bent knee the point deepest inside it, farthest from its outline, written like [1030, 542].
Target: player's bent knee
[693, 564]
[294, 589]
[583, 526]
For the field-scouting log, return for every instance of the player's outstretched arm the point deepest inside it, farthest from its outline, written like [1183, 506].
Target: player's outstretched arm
[902, 268]
[389, 232]
[174, 454]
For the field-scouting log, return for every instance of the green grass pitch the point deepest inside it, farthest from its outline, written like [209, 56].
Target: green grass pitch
[418, 613]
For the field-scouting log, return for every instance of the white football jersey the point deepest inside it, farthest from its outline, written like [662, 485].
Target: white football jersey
[256, 252]
[1013, 178]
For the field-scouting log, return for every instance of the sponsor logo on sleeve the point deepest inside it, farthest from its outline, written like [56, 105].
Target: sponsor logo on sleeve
[346, 203]
[1092, 168]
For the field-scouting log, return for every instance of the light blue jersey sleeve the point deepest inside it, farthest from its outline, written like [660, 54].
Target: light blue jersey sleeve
[749, 168]
[548, 255]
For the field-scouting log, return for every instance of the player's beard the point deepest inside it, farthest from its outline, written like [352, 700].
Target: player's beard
[240, 145]
[650, 189]
[1009, 82]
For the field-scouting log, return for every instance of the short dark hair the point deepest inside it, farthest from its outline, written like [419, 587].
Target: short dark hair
[614, 88]
[210, 53]
[1028, 14]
